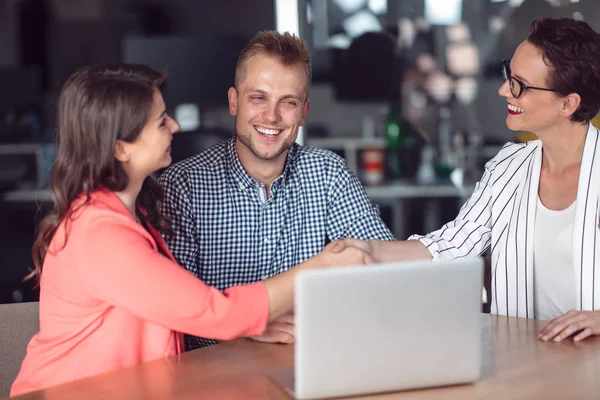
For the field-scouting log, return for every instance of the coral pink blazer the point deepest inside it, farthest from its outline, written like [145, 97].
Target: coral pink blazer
[109, 299]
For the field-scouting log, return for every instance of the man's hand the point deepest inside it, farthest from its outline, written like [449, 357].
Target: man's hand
[385, 251]
[584, 323]
[363, 245]
[282, 330]
[342, 253]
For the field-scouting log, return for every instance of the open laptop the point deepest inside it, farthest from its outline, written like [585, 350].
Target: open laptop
[386, 327]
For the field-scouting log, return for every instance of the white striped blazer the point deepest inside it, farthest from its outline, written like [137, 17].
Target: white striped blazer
[501, 214]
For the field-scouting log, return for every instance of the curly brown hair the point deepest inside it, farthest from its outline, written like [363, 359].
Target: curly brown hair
[99, 105]
[571, 49]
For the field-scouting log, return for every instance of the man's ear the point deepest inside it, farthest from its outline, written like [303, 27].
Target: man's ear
[121, 151]
[232, 96]
[305, 112]
[570, 104]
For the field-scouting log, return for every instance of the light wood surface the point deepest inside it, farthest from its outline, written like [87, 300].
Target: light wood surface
[515, 366]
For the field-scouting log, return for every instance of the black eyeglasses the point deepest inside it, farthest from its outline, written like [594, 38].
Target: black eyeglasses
[516, 86]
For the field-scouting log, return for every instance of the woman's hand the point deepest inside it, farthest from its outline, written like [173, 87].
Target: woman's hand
[339, 254]
[587, 323]
[281, 287]
[367, 246]
[282, 330]
[385, 251]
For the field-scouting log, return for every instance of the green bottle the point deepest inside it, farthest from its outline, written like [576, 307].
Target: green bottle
[394, 142]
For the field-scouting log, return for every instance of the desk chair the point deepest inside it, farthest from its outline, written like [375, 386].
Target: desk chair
[18, 323]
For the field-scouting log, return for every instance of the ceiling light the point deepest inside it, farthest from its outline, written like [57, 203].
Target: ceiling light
[378, 7]
[349, 6]
[361, 22]
[443, 12]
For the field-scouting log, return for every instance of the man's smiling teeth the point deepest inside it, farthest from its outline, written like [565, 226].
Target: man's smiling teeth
[270, 132]
[515, 109]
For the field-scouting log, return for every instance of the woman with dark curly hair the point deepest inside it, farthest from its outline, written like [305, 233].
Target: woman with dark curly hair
[537, 205]
[111, 293]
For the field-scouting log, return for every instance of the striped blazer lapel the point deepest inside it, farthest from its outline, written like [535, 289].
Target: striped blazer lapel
[585, 228]
[511, 281]
[527, 230]
[520, 238]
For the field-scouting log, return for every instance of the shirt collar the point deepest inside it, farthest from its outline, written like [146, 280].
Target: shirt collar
[245, 181]
[288, 169]
[240, 175]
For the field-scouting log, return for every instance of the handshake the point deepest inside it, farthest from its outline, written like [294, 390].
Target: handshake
[338, 253]
[342, 253]
[347, 252]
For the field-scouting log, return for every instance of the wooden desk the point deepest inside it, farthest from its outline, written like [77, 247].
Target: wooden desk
[516, 366]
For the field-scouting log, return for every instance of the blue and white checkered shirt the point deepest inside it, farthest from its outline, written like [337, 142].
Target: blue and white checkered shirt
[227, 232]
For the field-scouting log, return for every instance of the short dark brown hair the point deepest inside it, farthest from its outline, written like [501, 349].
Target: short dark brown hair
[571, 49]
[287, 48]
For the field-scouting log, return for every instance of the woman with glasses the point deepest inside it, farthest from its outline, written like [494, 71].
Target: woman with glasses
[537, 205]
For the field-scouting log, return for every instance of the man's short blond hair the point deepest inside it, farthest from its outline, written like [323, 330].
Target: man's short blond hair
[287, 48]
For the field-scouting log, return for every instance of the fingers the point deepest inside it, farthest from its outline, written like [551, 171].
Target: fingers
[364, 257]
[277, 332]
[350, 256]
[354, 256]
[363, 245]
[587, 332]
[274, 337]
[358, 251]
[564, 326]
[285, 327]
[346, 252]
[553, 323]
[336, 246]
[287, 318]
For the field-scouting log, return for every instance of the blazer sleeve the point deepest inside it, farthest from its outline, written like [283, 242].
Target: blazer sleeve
[120, 266]
[470, 233]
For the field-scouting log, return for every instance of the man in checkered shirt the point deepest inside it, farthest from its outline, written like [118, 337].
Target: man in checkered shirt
[258, 204]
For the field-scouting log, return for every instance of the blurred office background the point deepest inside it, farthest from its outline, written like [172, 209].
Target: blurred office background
[405, 90]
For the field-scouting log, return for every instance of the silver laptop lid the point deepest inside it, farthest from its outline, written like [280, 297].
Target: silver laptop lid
[387, 327]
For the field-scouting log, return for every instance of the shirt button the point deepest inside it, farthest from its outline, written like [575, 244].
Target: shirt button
[266, 240]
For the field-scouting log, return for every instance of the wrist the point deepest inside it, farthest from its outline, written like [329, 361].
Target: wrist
[311, 263]
[376, 249]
